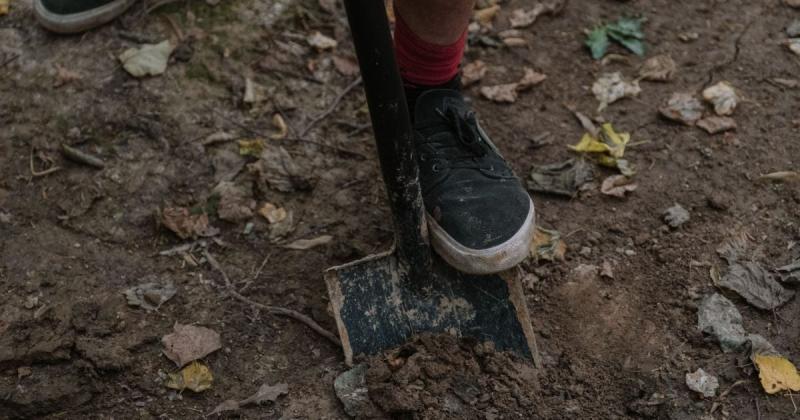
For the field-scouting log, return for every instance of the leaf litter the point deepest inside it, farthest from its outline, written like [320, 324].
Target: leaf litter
[188, 343]
[564, 178]
[723, 96]
[701, 382]
[608, 147]
[235, 202]
[196, 377]
[521, 18]
[150, 296]
[187, 224]
[147, 60]
[547, 245]
[715, 124]
[265, 393]
[611, 87]
[684, 108]
[617, 186]
[473, 72]
[660, 68]
[508, 93]
[676, 216]
[303, 244]
[625, 31]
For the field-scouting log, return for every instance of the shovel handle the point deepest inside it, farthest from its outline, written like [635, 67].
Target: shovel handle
[392, 127]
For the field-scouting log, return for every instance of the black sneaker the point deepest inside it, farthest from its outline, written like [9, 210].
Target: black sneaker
[73, 16]
[481, 219]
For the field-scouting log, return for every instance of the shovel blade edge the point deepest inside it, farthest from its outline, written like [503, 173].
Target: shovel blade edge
[377, 307]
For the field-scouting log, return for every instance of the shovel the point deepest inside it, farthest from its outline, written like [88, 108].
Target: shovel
[381, 301]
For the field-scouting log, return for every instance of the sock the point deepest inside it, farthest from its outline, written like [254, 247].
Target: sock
[423, 65]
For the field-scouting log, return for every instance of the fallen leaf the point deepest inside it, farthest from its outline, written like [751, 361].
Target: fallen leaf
[473, 72]
[547, 245]
[660, 68]
[683, 107]
[792, 3]
[278, 169]
[586, 123]
[676, 216]
[282, 228]
[611, 87]
[703, 383]
[4, 7]
[507, 93]
[776, 373]
[235, 202]
[188, 343]
[597, 41]
[609, 148]
[790, 273]
[150, 296]
[253, 92]
[794, 45]
[714, 124]
[321, 42]
[303, 244]
[688, 36]
[628, 33]
[280, 124]
[756, 285]
[486, 15]
[521, 18]
[723, 97]
[781, 176]
[64, 76]
[718, 316]
[227, 405]
[266, 393]
[514, 42]
[272, 213]
[251, 147]
[606, 270]
[617, 186]
[147, 60]
[345, 65]
[196, 377]
[563, 178]
[185, 224]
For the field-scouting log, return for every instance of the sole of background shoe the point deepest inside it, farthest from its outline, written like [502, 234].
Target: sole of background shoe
[484, 261]
[79, 22]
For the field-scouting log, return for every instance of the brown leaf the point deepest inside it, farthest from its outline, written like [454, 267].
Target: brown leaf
[723, 97]
[617, 186]
[485, 16]
[521, 18]
[529, 79]
[188, 343]
[184, 224]
[235, 203]
[506, 93]
[272, 213]
[280, 124]
[683, 107]
[227, 405]
[321, 42]
[660, 68]
[303, 244]
[473, 72]
[714, 124]
[266, 393]
[196, 377]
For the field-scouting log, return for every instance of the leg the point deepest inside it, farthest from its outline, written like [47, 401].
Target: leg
[480, 218]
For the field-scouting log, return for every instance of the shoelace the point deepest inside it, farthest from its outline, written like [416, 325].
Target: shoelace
[469, 149]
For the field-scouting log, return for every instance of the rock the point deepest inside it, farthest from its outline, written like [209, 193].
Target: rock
[718, 317]
[702, 382]
[676, 216]
[351, 389]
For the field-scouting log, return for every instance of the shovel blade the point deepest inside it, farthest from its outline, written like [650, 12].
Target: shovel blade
[378, 307]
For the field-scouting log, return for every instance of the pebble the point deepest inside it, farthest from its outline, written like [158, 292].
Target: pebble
[586, 251]
[702, 382]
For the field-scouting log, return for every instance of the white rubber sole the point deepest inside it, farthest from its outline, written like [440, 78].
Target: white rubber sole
[484, 261]
[79, 22]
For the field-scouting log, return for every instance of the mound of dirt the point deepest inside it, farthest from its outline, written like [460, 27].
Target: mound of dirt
[441, 376]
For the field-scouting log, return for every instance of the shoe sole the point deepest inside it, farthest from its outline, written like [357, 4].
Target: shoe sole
[79, 22]
[484, 261]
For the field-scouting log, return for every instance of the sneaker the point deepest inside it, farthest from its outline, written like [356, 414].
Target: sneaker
[480, 218]
[73, 16]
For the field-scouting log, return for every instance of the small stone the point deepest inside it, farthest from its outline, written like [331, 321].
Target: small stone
[351, 389]
[630, 252]
[702, 382]
[586, 251]
[31, 302]
[676, 216]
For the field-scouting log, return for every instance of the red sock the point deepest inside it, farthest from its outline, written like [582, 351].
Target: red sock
[422, 63]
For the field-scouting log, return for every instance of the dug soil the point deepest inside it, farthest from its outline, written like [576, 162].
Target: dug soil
[616, 346]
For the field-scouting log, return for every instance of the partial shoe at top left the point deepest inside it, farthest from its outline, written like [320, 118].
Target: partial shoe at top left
[74, 16]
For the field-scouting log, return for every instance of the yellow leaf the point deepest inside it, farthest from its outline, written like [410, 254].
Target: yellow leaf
[196, 377]
[776, 373]
[547, 245]
[617, 140]
[3, 7]
[590, 144]
[252, 147]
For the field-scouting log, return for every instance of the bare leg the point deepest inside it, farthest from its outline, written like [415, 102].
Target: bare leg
[440, 22]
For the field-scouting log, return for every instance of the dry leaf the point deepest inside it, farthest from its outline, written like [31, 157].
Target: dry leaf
[347, 66]
[64, 76]
[321, 42]
[606, 270]
[303, 244]
[473, 72]
[529, 79]
[660, 68]
[147, 60]
[272, 213]
[278, 169]
[507, 93]
[186, 225]
[227, 405]
[188, 343]
[235, 203]
[714, 124]
[547, 245]
[608, 147]
[521, 18]
[611, 87]
[280, 124]
[251, 147]
[150, 296]
[776, 374]
[485, 16]
[196, 377]
[617, 186]
[514, 42]
[3, 7]
[683, 107]
[781, 176]
[253, 92]
[266, 393]
[723, 97]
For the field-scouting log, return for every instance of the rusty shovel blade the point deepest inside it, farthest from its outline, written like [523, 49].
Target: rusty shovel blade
[378, 307]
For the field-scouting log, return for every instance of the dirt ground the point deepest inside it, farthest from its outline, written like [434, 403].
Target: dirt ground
[73, 240]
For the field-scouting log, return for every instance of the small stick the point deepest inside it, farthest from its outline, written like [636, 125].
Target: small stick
[331, 107]
[78, 156]
[47, 171]
[275, 310]
[758, 409]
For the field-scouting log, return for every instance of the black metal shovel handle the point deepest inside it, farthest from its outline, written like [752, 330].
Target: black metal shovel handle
[392, 127]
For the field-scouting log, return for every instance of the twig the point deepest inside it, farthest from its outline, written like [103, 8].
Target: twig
[793, 404]
[78, 156]
[331, 107]
[47, 171]
[181, 248]
[5, 63]
[275, 310]
[758, 409]
[257, 274]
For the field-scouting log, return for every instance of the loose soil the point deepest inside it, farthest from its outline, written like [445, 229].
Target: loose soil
[72, 241]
